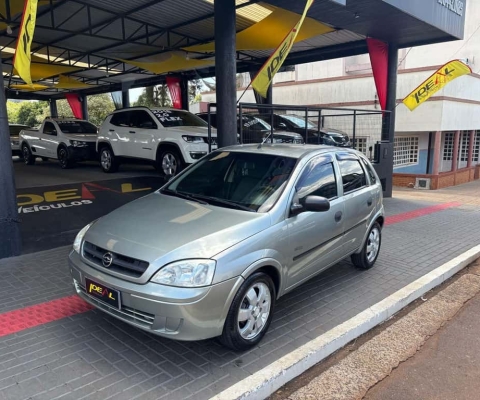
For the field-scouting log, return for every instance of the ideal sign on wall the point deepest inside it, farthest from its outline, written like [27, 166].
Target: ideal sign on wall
[455, 6]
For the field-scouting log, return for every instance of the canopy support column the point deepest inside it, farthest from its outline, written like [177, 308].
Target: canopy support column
[225, 71]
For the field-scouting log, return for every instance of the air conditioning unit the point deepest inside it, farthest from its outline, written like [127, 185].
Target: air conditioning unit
[422, 183]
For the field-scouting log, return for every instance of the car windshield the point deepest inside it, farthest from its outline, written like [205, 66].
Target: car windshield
[251, 122]
[77, 127]
[171, 118]
[299, 122]
[15, 129]
[245, 181]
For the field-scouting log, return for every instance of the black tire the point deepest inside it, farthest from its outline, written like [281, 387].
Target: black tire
[365, 259]
[169, 162]
[231, 336]
[28, 157]
[45, 158]
[64, 158]
[108, 161]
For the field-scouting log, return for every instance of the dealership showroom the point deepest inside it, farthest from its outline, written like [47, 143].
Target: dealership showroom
[345, 194]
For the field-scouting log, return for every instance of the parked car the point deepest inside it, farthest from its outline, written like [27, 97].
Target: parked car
[255, 130]
[15, 138]
[67, 140]
[210, 252]
[168, 138]
[312, 135]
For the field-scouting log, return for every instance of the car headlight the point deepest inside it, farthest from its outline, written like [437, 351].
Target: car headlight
[193, 139]
[78, 143]
[186, 273]
[79, 238]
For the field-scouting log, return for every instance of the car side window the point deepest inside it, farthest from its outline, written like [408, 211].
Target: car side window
[318, 179]
[120, 119]
[370, 171]
[353, 175]
[49, 129]
[141, 119]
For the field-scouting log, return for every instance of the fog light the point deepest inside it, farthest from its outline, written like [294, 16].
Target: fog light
[196, 155]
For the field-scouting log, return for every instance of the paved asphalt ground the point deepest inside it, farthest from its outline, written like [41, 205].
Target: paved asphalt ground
[52, 346]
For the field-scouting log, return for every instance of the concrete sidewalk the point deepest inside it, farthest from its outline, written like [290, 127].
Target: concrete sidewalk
[446, 367]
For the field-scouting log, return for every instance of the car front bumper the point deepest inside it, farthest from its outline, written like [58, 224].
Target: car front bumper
[177, 313]
[84, 153]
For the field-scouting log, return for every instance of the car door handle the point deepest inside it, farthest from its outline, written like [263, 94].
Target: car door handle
[131, 131]
[338, 216]
[111, 130]
[369, 202]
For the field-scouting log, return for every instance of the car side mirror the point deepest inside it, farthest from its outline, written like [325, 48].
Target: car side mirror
[312, 204]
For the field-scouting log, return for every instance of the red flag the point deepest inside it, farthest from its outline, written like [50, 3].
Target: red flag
[378, 51]
[175, 91]
[75, 104]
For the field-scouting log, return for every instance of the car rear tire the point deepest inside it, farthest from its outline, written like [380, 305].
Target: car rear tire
[108, 161]
[63, 158]
[169, 162]
[371, 249]
[250, 313]
[28, 157]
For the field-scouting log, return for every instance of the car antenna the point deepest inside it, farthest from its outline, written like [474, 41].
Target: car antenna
[264, 140]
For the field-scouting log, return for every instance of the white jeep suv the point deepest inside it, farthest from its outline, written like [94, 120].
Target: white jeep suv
[167, 138]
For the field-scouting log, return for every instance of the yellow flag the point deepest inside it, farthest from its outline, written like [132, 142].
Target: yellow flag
[262, 80]
[24, 42]
[434, 83]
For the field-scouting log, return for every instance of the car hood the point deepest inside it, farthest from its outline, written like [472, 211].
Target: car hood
[164, 228]
[196, 130]
[85, 137]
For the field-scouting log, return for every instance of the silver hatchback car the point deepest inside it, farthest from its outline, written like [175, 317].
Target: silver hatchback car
[209, 253]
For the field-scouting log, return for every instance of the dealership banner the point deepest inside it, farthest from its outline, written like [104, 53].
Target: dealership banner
[262, 81]
[23, 57]
[447, 73]
[173, 84]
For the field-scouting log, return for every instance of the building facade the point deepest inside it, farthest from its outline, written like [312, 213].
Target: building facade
[435, 146]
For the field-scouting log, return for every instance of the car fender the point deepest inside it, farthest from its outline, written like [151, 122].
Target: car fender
[169, 142]
[378, 214]
[267, 262]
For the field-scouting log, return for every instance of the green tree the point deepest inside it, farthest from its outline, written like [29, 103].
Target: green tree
[194, 88]
[13, 107]
[154, 96]
[30, 112]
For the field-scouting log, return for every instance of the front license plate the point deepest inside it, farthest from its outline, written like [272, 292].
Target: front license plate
[103, 293]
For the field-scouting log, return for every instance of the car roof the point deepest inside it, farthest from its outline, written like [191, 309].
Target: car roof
[287, 150]
[149, 108]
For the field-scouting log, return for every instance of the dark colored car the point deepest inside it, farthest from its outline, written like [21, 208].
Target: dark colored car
[294, 123]
[255, 130]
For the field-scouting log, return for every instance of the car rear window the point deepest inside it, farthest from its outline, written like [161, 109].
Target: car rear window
[172, 118]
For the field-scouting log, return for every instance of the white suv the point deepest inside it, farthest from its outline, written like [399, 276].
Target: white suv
[167, 138]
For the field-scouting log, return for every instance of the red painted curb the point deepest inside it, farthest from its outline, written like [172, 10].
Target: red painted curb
[39, 314]
[395, 219]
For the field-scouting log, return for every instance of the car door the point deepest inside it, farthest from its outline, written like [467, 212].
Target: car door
[359, 199]
[315, 238]
[118, 133]
[49, 139]
[141, 134]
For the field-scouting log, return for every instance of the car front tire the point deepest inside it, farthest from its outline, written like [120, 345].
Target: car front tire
[108, 161]
[63, 158]
[169, 162]
[28, 157]
[371, 249]
[250, 313]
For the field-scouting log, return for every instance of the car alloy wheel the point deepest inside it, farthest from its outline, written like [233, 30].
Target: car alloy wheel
[63, 157]
[28, 157]
[373, 244]
[254, 311]
[169, 164]
[106, 159]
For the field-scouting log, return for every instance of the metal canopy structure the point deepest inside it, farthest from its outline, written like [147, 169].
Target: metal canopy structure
[92, 35]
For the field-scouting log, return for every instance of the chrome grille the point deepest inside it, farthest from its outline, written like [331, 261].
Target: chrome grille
[120, 264]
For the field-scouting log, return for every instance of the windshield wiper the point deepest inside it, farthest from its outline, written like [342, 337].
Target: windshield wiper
[182, 195]
[224, 202]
